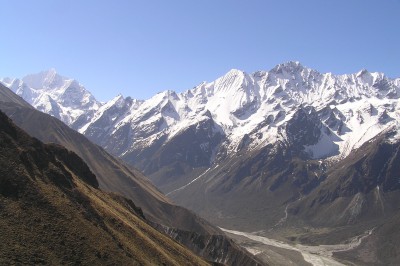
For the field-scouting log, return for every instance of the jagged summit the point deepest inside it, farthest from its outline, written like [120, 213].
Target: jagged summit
[234, 72]
[362, 72]
[291, 67]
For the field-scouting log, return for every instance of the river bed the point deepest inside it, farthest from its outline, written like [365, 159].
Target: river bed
[314, 255]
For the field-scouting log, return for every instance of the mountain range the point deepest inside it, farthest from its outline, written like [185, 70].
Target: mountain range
[268, 152]
[238, 111]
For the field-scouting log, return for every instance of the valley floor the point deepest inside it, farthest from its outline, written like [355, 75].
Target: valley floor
[279, 253]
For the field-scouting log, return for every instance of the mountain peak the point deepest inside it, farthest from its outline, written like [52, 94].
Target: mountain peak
[289, 66]
[362, 72]
[45, 79]
[235, 71]
[51, 71]
[292, 63]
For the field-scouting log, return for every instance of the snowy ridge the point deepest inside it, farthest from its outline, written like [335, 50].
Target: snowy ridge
[250, 110]
[352, 108]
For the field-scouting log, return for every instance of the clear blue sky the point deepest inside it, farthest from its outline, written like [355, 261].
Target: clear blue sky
[139, 48]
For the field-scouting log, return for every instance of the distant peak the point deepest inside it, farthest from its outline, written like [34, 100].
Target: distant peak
[51, 74]
[117, 98]
[362, 72]
[51, 71]
[233, 74]
[292, 64]
[235, 71]
[44, 79]
[288, 66]
[293, 68]
[169, 93]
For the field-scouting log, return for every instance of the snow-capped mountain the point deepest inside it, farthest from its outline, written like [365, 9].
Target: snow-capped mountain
[318, 115]
[56, 95]
[252, 110]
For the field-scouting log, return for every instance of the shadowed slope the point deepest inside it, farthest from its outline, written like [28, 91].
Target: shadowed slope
[51, 212]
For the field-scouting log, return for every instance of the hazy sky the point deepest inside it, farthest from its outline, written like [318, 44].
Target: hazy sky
[139, 48]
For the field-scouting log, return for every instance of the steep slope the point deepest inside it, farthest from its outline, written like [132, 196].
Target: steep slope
[52, 212]
[113, 175]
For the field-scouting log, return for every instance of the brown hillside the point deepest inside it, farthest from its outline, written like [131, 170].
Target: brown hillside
[51, 212]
